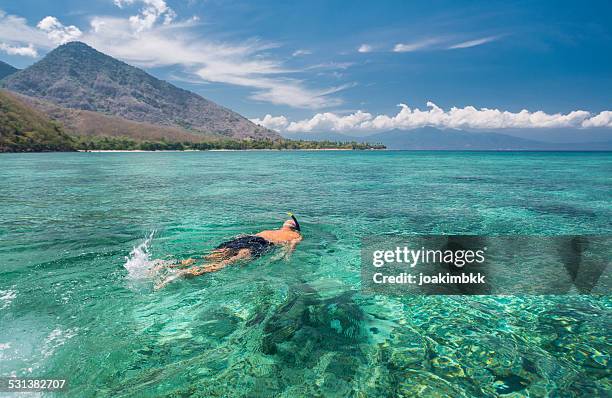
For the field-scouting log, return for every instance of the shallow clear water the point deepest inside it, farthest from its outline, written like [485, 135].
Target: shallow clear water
[79, 231]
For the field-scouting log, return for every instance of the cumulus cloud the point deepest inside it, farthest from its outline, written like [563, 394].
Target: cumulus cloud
[150, 13]
[468, 117]
[18, 38]
[26, 51]
[57, 32]
[365, 48]
[414, 46]
[603, 119]
[473, 43]
[276, 123]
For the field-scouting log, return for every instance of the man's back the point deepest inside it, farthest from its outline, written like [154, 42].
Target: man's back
[279, 236]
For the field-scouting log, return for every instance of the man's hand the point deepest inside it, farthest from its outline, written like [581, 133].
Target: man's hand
[291, 247]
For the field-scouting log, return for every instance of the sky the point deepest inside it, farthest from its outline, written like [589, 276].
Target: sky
[353, 67]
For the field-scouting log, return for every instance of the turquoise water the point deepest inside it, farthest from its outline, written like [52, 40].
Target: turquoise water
[79, 232]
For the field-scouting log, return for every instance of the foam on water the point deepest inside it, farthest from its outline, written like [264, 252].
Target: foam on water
[6, 298]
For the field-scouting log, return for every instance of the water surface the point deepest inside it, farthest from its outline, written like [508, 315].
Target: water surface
[69, 307]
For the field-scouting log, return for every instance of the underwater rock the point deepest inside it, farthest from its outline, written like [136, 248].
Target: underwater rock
[407, 350]
[510, 384]
[334, 386]
[216, 324]
[588, 387]
[412, 383]
[318, 337]
[289, 318]
[495, 353]
[331, 319]
[447, 367]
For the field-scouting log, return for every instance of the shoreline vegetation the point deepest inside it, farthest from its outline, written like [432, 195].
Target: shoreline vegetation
[127, 144]
[28, 143]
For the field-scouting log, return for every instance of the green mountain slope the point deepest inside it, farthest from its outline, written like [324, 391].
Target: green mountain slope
[76, 76]
[6, 69]
[23, 129]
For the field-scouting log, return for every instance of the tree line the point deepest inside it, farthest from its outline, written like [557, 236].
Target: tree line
[85, 143]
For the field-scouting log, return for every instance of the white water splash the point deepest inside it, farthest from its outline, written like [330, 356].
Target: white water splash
[138, 264]
[56, 339]
[6, 298]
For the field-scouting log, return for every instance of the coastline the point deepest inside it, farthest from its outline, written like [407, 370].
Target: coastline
[221, 150]
[343, 149]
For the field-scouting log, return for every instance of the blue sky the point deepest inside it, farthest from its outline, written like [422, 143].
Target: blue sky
[346, 65]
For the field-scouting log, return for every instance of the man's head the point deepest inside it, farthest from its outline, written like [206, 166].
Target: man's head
[290, 224]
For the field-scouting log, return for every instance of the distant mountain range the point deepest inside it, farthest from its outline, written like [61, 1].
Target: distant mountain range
[77, 77]
[430, 138]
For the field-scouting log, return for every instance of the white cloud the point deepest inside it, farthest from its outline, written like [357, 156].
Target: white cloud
[57, 32]
[440, 43]
[243, 64]
[473, 43]
[18, 38]
[414, 46]
[331, 66]
[365, 48]
[292, 92]
[26, 51]
[301, 52]
[468, 117]
[603, 119]
[151, 11]
[154, 38]
[271, 122]
[170, 43]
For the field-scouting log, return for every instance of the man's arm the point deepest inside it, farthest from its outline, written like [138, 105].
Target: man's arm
[291, 246]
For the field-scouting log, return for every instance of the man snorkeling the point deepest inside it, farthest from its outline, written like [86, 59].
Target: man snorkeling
[243, 247]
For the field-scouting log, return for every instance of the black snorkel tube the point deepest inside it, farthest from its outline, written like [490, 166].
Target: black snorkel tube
[297, 224]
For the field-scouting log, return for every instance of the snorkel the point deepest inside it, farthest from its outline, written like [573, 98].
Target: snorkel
[297, 224]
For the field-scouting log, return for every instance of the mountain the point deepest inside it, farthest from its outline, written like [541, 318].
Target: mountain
[329, 136]
[23, 129]
[77, 76]
[88, 123]
[430, 138]
[563, 135]
[6, 69]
